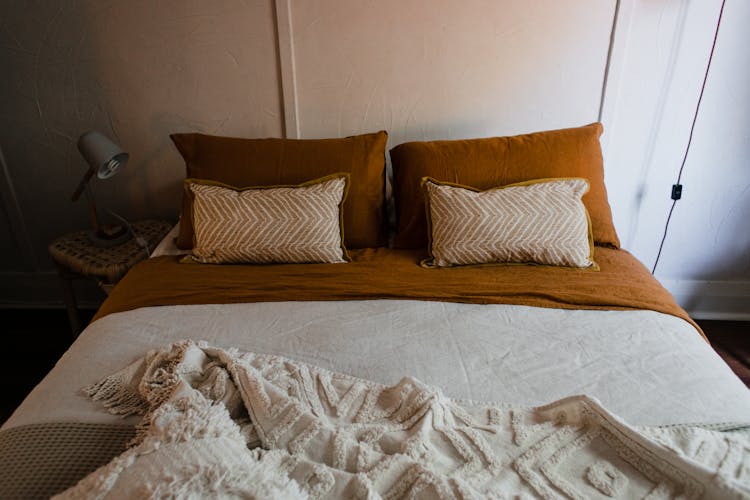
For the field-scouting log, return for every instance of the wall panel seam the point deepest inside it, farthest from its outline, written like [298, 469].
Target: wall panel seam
[18, 227]
[607, 64]
[285, 41]
[616, 59]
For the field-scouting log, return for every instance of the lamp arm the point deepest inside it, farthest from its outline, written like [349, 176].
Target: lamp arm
[84, 182]
[92, 207]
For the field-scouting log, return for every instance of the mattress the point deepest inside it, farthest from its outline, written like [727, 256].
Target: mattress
[647, 367]
[520, 337]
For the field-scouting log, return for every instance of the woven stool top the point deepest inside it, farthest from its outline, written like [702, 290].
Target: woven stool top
[76, 252]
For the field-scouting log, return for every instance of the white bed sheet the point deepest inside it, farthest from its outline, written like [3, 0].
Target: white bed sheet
[167, 246]
[647, 367]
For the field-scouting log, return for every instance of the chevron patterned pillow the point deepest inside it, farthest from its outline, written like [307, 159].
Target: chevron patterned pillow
[283, 224]
[542, 221]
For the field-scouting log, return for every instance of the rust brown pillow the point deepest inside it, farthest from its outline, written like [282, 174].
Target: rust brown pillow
[273, 162]
[498, 161]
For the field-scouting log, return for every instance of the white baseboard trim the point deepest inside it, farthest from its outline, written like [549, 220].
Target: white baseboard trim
[43, 290]
[721, 300]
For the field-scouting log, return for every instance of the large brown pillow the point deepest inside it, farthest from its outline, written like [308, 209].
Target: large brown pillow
[274, 162]
[498, 161]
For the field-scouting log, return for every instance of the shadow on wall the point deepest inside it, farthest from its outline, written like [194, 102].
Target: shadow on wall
[130, 75]
[159, 69]
[717, 293]
[135, 71]
[65, 75]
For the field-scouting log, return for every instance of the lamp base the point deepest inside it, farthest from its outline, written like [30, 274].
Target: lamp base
[108, 236]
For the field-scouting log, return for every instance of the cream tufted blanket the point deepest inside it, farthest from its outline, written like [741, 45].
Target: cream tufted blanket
[329, 435]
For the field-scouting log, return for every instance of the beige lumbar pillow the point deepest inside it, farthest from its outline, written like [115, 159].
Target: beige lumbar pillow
[541, 221]
[261, 225]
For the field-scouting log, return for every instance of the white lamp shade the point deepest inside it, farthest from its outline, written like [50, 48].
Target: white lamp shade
[102, 154]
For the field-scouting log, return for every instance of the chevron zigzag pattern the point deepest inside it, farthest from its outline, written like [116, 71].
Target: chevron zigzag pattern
[299, 224]
[542, 222]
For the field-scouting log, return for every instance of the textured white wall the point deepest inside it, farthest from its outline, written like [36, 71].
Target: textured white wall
[139, 70]
[664, 49]
[446, 69]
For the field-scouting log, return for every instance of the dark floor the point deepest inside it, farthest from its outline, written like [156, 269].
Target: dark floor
[35, 339]
[731, 339]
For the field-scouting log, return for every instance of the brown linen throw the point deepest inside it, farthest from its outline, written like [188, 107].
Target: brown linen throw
[623, 283]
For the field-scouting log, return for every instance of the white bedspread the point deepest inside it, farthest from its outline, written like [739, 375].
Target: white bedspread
[334, 436]
[646, 367]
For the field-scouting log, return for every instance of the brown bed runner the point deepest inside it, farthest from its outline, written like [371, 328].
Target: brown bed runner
[381, 273]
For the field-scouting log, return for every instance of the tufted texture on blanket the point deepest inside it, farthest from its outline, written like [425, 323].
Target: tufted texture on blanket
[328, 435]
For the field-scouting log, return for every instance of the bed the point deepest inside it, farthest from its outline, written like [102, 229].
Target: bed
[529, 347]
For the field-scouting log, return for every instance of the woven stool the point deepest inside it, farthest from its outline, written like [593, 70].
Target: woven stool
[76, 257]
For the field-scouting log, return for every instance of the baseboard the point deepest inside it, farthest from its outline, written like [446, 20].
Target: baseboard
[719, 300]
[43, 290]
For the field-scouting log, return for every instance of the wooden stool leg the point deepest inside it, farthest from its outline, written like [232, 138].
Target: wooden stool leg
[70, 300]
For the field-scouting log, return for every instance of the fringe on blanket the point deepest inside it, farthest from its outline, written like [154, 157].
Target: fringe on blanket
[337, 435]
[117, 395]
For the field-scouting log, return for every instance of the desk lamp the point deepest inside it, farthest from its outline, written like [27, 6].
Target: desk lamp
[105, 159]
